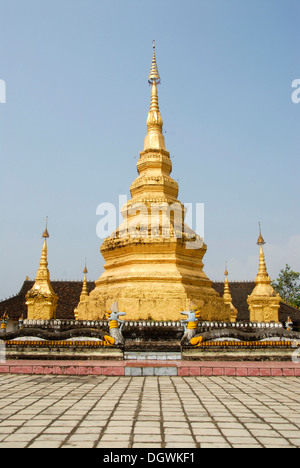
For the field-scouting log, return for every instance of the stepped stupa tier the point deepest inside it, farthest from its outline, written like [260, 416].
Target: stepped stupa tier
[154, 261]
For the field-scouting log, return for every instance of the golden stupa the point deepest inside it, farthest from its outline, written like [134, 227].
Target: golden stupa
[41, 300]
[153, 261]
[263, 302]
[228, 298]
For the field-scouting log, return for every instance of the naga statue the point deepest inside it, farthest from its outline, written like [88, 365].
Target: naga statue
[190, 324]
[243, 335]
[115, 330]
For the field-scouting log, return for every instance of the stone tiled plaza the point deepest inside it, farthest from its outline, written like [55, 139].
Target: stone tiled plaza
[54, 411]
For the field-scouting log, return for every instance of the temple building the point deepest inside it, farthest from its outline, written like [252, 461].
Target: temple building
[153, 261]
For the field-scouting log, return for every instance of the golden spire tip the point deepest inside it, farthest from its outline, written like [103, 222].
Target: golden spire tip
[260, 240]
[45, 233]
[154, 74]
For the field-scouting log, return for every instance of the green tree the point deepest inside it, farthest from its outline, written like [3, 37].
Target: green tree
[288, 286]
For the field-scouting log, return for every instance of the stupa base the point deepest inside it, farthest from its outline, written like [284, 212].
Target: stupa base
[154, 301]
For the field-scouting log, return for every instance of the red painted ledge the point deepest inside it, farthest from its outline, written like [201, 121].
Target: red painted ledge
[184, 368]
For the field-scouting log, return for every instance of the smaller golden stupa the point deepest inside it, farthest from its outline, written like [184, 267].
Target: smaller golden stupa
[84, 292]
[41, 300]
[264, 302]
[228, 298]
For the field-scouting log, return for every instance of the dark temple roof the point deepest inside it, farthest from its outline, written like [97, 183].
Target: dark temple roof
[69, 293]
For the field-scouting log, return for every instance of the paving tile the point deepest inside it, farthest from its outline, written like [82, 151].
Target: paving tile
[239, 432]
[118, 430]
[273, 441]
[290, 434]
[83, 437]
[230, 425]
[20, 437]
[205, 439]
[207, 432]
[258, 426]
[180, 445]
[146, 446]
[246, 446]
[29, 430]
[13, 445]
[180, 438]
[179, 425]
[50, 437]
[148, 438]
[8, 429]
[57, 430]
[113, 445]
[215, 445]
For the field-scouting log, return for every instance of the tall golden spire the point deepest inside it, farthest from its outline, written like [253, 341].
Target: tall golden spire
[262, 276]
[154, 138]
[43, 272]
[228, 298]
[84, 292]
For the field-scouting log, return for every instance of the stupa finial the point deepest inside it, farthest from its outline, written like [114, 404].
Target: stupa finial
[260, 240]
[226, 271]
[154, 74]
[45, 233]
[154, 138]
[85, 271]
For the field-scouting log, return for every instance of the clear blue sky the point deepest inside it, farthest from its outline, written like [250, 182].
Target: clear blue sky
[75, 120]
